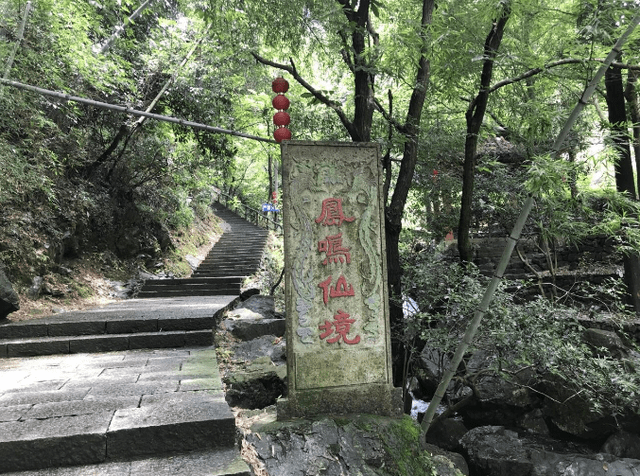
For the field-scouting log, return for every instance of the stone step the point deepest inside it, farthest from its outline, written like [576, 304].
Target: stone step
[201, 284]
[226, 267]
[211, 281]
[32, 346]
[98, 323]
[176, 425]
[234, 256]
[221, 272]
[208, 462]
[131, 324]
[243, 233]
[238, 243]
[186, 291]
[116, 412]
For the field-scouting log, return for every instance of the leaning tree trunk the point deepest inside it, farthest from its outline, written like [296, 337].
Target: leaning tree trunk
[631, 95]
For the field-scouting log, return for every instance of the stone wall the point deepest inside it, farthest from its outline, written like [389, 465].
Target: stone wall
[487, 253]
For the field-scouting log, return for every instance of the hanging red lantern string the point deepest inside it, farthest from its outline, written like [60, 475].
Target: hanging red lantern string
[281, 119]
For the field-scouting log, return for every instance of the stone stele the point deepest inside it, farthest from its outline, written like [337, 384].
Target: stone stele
[338, 340]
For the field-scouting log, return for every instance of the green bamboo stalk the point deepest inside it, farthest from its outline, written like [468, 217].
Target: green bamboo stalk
[171, 80]
[473, 326]
[133, 112]
[120, 28]
[12, 57]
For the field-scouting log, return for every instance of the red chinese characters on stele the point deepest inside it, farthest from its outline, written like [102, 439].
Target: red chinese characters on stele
[332, 246]
[332, 213]
[340, 289]
[335, 252]
[340, 326]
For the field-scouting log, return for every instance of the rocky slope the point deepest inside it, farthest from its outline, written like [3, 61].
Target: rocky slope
[251, 353]
[44, 269]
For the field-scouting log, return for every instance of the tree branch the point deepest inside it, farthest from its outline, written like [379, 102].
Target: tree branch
[401, 128]
[291, 69]
[134, 112]
[553, 64]
[532, 72]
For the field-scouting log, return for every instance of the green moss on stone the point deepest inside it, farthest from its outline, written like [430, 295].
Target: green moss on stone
[398, 438]
[403, 447]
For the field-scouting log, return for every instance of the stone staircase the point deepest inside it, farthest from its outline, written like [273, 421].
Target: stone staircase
[230, 261]
[127, 325]
[137, 412]
[132, 388]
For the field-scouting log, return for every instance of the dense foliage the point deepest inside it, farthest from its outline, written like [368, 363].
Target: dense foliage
[464, 99]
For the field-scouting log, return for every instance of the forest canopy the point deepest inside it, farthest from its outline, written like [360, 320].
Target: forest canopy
[464, 98]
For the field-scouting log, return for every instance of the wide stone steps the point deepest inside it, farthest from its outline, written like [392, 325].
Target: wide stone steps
[132, 324]
[138, 391]
[158, 412]
[235, 256]
[195, 286]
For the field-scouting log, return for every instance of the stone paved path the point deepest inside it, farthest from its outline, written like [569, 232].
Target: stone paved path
[104, 407]
[129, 389]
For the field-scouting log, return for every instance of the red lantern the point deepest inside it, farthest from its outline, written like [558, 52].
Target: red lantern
[280, 85]
[281, 102]
[282, 133]
[281, 119]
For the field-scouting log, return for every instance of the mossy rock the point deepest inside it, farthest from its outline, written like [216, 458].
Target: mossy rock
[355, 445]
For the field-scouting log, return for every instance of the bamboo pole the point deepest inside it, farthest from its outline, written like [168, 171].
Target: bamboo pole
[173, 77]
[120, 28]
[515, 236]
[12, 57]
[133, 112]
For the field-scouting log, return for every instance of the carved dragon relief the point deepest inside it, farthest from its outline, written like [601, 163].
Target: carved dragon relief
[302, 269]
[366, 188]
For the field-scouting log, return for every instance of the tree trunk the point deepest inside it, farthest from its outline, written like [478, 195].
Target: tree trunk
[363, 101]
[394, 212]
[620, 136]
[625, 182]
[631, 95]
[474, 117]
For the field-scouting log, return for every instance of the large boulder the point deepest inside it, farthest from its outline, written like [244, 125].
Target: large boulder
[607, 342]
[357, 445]
[262, 305]
[447, 463]
[497, 451]
[498, 399]
[9, 300]
[568, 411]
[447, 433]
[269, 345]
[623, 445]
